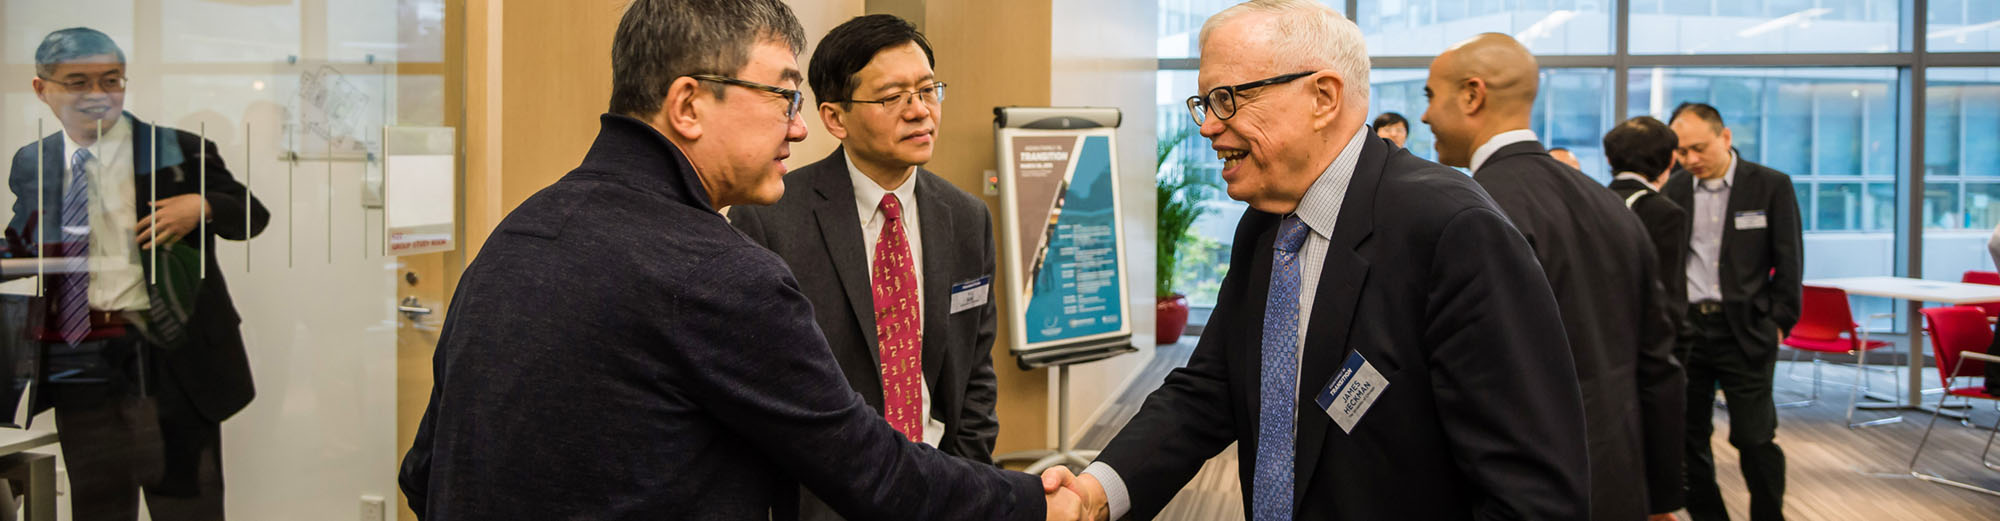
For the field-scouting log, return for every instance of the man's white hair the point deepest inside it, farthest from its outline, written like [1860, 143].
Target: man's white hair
[1307, 35]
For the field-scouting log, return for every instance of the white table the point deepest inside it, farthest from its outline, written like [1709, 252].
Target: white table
[1917, 292]
[37, 471]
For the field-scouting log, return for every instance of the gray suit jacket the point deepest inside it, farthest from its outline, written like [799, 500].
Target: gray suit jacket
[815, 230]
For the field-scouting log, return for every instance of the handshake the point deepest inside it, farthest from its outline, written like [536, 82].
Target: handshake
[1073, 497]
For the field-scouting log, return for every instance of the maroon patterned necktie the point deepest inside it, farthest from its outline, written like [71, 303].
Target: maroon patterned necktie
[897, 325]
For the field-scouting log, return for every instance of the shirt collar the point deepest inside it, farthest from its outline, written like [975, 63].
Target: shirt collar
[1633, 176]
[1485, 152]
[1728, 177]
[1321, 205]
[868, 195]
[108, 143]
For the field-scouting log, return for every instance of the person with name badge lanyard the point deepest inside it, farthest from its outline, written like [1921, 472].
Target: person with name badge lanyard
[1381, 324]
[897, 262]
[1745, 264]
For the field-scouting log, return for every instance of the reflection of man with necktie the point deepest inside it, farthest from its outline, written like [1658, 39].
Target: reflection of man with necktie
[140, 373]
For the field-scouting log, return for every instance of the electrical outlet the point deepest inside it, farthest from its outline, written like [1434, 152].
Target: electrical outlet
[373, 509]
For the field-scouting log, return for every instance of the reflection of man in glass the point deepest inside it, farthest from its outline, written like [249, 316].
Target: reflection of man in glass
[144, 355]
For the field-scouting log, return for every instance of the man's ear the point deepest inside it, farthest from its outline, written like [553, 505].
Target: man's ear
[1472, 96]
[681, 112]
[830, 116]
[1327, 87]
[41, 87]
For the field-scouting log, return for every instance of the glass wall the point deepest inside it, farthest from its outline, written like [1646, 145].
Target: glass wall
[195, 240]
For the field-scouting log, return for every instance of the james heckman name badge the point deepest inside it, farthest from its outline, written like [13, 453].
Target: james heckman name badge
[1352, 391]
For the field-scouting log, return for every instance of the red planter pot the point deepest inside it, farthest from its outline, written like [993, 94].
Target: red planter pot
[1172, 319]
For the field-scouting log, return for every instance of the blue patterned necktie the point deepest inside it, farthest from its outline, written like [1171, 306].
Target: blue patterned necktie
[73, 310]
[1277, 414]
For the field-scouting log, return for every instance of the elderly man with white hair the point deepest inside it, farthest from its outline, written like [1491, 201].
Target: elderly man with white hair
[1385, 345]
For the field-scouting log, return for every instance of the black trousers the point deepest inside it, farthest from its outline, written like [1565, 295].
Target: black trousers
[1714, 358]
[120, 443]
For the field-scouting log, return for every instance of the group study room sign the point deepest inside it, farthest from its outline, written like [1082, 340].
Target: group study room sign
[1067, 224]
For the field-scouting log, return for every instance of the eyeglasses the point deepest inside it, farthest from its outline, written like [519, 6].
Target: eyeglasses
[796, 98]
[1222, 100]
[110, 85]
[932, 95]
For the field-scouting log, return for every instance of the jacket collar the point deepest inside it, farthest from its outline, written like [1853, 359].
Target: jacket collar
[639, 155]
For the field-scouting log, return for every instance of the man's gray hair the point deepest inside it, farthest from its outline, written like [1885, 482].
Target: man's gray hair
[1308, 35]
[659, 41]
[71, 44]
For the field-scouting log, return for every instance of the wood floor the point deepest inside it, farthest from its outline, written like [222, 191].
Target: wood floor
[1833, 473]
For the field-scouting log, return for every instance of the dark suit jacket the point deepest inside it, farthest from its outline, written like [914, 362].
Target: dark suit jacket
[618, 351]
[1604, 273]
[1667, 224]
[815, 230]
[1761, 269]
[1426, 279]
[212, 370]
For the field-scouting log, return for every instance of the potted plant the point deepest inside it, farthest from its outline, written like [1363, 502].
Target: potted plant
[1180, 196]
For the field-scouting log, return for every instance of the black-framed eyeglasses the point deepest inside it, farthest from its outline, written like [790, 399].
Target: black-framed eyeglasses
[932, 94]
[1222, 100]
[111, 85]
[797, 99]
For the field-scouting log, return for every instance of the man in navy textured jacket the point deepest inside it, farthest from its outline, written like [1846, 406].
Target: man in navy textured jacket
[618, 351]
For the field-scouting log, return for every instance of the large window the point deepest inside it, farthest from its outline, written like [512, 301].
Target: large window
[1764, 26]
[1817, 89]
[1572, 110]
[1426, 27]
[1961, 170]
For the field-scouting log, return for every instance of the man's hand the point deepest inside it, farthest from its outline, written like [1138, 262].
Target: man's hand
[1064, 506]
[1096, 506]
[1669, 516]
[172, 218]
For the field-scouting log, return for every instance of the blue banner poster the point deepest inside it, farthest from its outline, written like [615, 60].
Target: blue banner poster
[1073, 288]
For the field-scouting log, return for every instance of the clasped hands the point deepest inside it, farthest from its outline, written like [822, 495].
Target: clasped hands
[1073, 497]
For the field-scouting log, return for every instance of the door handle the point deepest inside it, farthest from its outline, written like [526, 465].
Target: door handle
[412, 309]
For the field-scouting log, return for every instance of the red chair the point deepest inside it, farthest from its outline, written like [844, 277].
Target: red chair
[1826, 325]
[1990, 278]
[1959, 334]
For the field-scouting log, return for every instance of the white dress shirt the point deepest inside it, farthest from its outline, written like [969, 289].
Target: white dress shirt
[1318, 210]
[116, 280]
[1493, 144]
[1704, 263]
[867, 204]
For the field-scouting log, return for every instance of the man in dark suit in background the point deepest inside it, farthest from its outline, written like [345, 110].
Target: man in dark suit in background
[1743, 281]
[1641, 151]
[617, 351]
[1596, 258]
[1384, 346]
[143, 379]
[868, 228]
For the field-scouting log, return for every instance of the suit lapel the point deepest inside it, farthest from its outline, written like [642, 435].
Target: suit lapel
[54, 169]
[840, 230]
[937, 232]
[1740, 198]
[1334, 301]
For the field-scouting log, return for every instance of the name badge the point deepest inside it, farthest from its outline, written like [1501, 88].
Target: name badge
[1352, 391]
[1751, 220]
[971, 294]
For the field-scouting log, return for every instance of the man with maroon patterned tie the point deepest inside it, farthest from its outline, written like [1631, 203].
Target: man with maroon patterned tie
[896, 261]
